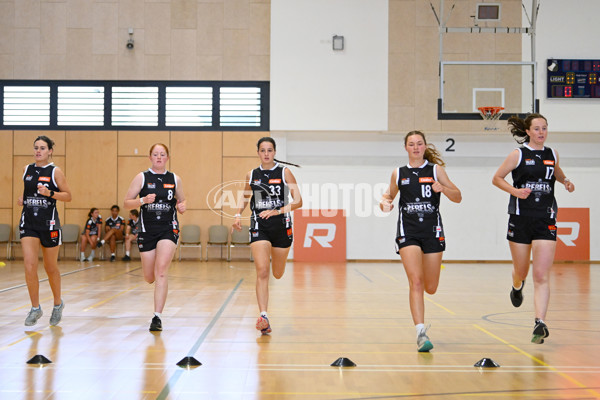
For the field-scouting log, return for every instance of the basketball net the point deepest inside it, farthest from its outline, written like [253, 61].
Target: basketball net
[492, 115]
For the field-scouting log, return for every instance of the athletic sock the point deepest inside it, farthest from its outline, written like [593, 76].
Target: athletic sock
[82, 256]
[92, 254]
[112, 254]
[420, 328]
[520, 287]
[127, 253]
[36, 308]
[158, 314]
[263, 314]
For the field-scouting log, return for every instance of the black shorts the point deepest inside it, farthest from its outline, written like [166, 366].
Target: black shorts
[428, 245]
[147, 240]
[277, 230]
[523, 229]
[47, 238]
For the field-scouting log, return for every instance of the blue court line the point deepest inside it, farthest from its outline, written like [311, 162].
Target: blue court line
[363, 275]
[175, 377]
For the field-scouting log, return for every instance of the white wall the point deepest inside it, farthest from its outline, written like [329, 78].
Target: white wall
[350, 171]
[566, 30]
[316, 88]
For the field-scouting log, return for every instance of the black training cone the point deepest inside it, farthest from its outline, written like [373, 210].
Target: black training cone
[343, 362]
[39, 359]
[189, 362]
[486, 363]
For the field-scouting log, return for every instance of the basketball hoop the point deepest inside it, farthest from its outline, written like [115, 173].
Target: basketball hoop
[491, 114]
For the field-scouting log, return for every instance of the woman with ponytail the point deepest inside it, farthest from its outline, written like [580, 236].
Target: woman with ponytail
[532, 212]
[267, 189]
[420, 239]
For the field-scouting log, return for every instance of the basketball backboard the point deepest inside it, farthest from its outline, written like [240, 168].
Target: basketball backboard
[465, 86]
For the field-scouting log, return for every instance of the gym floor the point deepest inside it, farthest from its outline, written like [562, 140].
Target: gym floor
[102, 349]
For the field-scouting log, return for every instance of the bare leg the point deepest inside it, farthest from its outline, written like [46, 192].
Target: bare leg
[261, 251]
[432, 264]
[412, 260]
[147, 258]
[51, 267]
[543, 258]
[31, 248]
[165, 249]
[279, 258]
[521, 255]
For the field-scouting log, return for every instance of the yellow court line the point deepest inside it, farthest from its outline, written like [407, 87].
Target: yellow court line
[23, 338]
[537, 360]
[112, 297]
[389, 276]
[440, 306]
[49, 297]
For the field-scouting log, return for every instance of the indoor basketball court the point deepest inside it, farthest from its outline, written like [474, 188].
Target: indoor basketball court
[337, 84]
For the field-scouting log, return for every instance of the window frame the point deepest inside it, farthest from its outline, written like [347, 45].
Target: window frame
[161, 85]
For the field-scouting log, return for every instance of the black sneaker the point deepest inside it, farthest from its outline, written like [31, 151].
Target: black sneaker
[156, 324]
[126, 258]
[516, 295]
[539, 332]
[113, 258]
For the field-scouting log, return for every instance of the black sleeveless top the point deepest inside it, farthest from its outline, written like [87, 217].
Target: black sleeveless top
[535, 171]
[162, 214]
[39, 212]
[418, 204]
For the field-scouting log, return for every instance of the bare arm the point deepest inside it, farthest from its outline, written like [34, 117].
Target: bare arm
[135, 187]
[386, 202]
[505, 168]
[561, 177]
[445, 185]
[64, 193]
[243, 202]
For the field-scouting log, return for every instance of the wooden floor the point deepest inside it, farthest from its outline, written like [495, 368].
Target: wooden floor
[102, 349]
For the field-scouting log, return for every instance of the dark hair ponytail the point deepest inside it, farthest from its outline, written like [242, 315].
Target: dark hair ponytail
[519, 127]
[91, 212]
[272, 141]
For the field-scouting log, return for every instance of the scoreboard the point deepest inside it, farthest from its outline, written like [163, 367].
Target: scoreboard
[573, 79]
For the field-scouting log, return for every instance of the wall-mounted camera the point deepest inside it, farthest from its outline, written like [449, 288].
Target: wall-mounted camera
[130, 42]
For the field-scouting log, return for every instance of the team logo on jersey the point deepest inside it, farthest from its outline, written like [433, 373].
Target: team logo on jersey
[548, 162]
[44, 178]
[539, 188]
[274, 180]
[405, 181]
[53, 234]
[529, 161]
[426, 179]
[168, 185]
[256, 182]
[552, 229]
[255, 234]
[28, 177]
[151, 185]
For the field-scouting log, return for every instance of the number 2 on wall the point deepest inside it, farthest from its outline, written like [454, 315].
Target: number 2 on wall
[451, 145]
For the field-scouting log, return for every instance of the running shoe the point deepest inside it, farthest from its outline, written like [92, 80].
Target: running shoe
[33, 316]
[57, 313]
[156, 324]
[516, 295]
[540, 331]
[263, 325]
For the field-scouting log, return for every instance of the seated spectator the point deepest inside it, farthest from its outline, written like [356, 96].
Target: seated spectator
[114, 230]
[91, 233]
[131, 232]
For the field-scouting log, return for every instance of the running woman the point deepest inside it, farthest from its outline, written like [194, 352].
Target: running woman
[269, 187]
[44, 184]
[160, 198]
[420, 238]
[532, 212]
